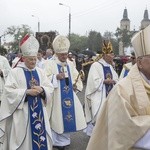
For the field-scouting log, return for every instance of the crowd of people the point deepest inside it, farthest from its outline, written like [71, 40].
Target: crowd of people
[40, 107]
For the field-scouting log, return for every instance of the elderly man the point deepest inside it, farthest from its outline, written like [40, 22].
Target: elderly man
[24, 122]
[101, 79]
[4, 70]
[124, 123]
[67, 113]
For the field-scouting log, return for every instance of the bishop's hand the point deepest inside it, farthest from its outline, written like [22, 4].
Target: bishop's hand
[34, 91]
[60, 76]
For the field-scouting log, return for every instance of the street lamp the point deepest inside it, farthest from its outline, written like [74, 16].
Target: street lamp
[1, 39]
[19, 38]
[38, 22]
[69, 17]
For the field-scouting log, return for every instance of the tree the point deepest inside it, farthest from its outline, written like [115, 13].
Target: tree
[108, 35]
[17, 32]
[3, 51]
[124, 36]
[78, 43]
[94, 41]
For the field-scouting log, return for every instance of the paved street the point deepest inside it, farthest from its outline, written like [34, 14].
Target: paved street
[79, 139]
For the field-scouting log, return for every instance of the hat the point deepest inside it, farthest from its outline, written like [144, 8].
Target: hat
[107, 47]
[61, 44]
[141, 42]
[29, 45]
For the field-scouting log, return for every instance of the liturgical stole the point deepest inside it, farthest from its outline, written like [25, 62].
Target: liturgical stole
[67, 102]
[38, 131]
[107, 74]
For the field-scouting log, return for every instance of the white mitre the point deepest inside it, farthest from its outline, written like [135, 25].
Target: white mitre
[61, 44]
[29, 45]
[141, 42]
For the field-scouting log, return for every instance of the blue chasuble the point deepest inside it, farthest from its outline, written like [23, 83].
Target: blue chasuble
[38, 131]
[67, 103]
[107, 74]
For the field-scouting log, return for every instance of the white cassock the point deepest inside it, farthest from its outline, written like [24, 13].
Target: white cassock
[95, 93]
[15, 130]
[5, 68]
[56, 116]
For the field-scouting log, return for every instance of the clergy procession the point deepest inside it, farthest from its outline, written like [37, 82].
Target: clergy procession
[40, 106]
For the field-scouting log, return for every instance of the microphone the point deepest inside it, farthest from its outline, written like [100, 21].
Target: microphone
[66, 75]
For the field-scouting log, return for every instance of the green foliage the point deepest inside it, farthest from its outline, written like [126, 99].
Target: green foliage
[94, 41]
[115, 46]
[124, 36]
[78, 43]
[3, 51]
[17, 33]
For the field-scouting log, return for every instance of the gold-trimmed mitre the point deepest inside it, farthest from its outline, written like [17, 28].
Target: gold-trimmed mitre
[61, 44]
[107, 47]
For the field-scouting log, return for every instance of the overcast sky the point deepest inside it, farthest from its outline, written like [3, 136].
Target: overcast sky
[86, 15]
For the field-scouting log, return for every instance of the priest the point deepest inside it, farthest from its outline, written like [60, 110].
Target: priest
[66, 112]
[101, 79]
[24, 121]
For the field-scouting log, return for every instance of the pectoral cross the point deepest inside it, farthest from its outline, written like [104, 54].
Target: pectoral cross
[33, 82]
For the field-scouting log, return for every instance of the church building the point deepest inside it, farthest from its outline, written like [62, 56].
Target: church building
[125, 25]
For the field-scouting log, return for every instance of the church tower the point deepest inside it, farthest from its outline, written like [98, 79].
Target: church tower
[146, 21]
[125, 22]
[124, 25]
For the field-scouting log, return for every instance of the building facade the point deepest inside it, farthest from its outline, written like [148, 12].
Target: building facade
[125, 25]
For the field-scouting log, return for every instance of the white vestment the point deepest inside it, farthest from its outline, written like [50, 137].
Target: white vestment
[5, 68]
[55, 114]
[124, 122]
[57, 124]
[40, 63]
[95, 93]
[15, 130]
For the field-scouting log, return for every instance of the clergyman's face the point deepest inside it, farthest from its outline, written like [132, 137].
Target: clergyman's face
[109, 57]
[62, 56]
[30, 61]
[144, 65]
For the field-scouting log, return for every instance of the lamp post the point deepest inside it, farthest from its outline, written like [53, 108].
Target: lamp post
[1, 39]
[38, 22]
[19, 38]
[69, 17]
